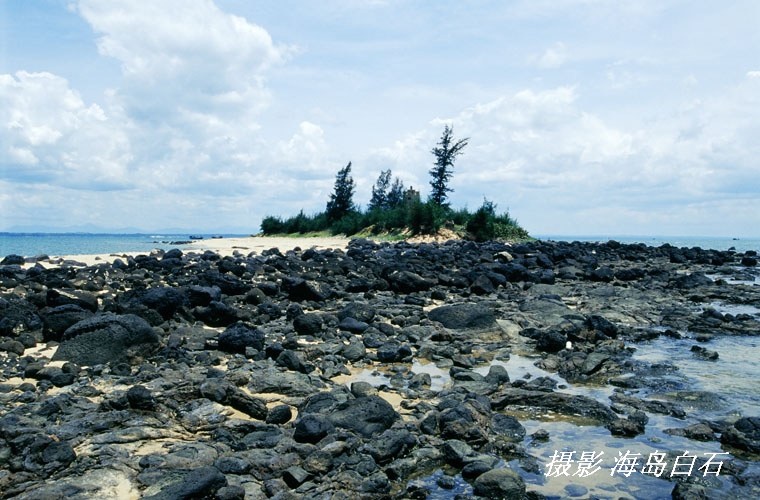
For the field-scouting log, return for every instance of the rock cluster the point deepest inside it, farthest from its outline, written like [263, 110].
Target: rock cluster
[199, 376]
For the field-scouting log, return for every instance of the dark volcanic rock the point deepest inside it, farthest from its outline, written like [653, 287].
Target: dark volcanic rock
[239, 336]
[366, 416]
[499, 483]
[393, 351]
[463, 316]
[197, 404]
[164, 300]
[408, 282]
[197, 483]
[312, 428]
[299, 289]
[744, 434]
[107, 338]
[140, 398]
[353, 325]
[85, 300]
[12, 260]
[551, 341]
[57, 319]
[308, 324]
[216, 314]
[559, 402]
[359, 311]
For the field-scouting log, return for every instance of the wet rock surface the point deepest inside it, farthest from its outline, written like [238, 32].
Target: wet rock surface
[379, 372]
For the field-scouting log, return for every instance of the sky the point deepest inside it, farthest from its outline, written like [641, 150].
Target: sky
[584, 117]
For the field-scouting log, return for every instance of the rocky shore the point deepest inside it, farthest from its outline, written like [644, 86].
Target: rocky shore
[379, 371]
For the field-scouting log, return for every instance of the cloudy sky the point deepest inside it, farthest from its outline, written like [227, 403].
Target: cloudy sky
[585, 117]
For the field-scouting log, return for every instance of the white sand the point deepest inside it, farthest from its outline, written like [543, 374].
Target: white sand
[228, 246]
[223, 246]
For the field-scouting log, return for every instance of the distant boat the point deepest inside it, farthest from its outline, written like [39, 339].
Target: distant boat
[217, 237]
[196, 237]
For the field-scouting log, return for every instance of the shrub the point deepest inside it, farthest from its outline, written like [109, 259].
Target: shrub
[349, 224]
[425, 218]
[486, 225]
[272, 225]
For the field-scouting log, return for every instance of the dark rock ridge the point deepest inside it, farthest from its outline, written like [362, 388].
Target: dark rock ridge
[184, 375]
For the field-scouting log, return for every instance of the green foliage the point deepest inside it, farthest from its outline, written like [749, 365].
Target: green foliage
[395, 196]
[425, 218]
[486, 225]
[459, 217]
[379, 198]
[392, 211]
[272, 225]
[341, 201]
[349, 224]
[445, 154]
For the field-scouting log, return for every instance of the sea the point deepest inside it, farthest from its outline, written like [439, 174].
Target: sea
[56, 244]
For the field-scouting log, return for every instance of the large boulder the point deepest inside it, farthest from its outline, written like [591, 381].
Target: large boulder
[367, 416]
[407, 282]
[57, 320]
[463, 316]
[299, 289]
[164, 300]
[202, 482]
[106, 338]
[236, 338]
[565, 404]
[743, 434]
[499, 483]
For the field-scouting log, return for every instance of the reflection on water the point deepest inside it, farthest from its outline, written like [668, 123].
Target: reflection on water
[734, 375]
[439, 378]
[735, 309]
[372, 377]
[564, 436]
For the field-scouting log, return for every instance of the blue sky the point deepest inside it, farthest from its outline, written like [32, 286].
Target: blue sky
[584, 116]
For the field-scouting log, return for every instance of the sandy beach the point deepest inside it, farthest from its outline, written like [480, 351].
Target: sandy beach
[222, 246]
[228, 246]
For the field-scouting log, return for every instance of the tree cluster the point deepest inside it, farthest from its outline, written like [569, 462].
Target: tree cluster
[394, 209]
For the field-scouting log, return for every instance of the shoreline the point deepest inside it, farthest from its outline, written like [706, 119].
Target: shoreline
[223, 246]
[229, 245]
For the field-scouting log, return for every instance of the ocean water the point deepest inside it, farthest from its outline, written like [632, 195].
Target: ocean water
[711, 242]
[54, 244]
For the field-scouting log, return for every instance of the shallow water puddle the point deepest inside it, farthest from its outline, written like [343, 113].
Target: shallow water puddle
[735, 309]
[741, 277]
[733, 375]
[605, 482]
[439, 378]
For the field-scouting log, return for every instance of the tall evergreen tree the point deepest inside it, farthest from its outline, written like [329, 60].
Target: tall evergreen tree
[379, 198]
[396, 194]
[445, 153]
[341, 200]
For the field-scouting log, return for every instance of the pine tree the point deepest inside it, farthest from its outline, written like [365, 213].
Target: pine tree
[341, 200]
[445, 154]
[379, 200]
[396, 194]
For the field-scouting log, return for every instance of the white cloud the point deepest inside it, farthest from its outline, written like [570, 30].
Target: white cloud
[50, 135]
[193, 84]
[553, 57]
[542, 145]
[180, 39]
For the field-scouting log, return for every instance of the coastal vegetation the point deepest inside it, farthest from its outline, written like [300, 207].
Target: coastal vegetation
[396, 212]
